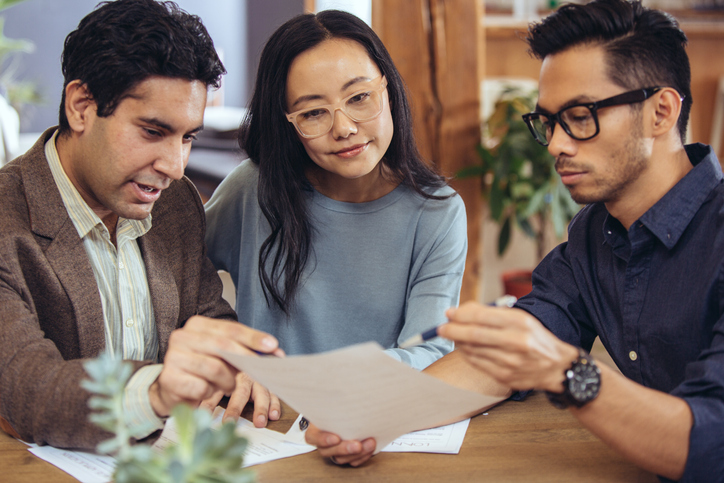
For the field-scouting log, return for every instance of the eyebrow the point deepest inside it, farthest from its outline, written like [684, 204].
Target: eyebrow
[573, 102]
[347, 85]
[167, 127]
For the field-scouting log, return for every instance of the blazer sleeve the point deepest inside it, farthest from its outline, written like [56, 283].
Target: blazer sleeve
[40, 394]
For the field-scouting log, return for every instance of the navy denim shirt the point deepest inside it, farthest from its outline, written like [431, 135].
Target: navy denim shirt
[654, 295]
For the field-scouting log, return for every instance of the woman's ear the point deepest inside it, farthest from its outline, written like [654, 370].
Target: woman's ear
[78, 105]
[667, 107]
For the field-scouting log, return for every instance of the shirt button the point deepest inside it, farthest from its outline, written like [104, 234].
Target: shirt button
[633, 355]
[129, 323]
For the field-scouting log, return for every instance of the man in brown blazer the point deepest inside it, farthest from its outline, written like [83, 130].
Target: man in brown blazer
[102, 237]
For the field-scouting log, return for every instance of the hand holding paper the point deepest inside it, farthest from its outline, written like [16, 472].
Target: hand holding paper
[359, 392]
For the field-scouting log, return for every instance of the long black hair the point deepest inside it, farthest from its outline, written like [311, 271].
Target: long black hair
[272, 143]
[644, 47]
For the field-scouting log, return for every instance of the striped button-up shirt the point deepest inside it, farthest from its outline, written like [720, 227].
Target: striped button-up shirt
[120, 273]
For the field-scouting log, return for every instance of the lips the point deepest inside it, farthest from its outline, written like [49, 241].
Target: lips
[352, 151]
[571, 177]
[569, 173]
[146, 193]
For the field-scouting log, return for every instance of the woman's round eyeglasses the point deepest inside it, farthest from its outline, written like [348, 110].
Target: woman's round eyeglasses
[580, 121]
[362, 106]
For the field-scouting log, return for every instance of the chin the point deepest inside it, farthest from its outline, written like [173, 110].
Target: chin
[135, 214]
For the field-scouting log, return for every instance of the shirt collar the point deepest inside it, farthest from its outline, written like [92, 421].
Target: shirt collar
[83, 217]
[670, 216]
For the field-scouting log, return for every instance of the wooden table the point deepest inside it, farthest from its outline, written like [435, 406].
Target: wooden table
[514, 442]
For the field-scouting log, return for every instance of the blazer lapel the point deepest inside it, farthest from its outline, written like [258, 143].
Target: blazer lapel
[63, 247]
[161, 283]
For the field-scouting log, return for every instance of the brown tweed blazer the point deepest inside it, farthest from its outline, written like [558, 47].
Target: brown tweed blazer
[51, 317]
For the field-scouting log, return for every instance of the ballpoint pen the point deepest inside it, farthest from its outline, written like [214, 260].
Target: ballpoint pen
[504, 301]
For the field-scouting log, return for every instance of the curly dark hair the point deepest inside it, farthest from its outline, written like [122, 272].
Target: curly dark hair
[644, 47]
[122, 43]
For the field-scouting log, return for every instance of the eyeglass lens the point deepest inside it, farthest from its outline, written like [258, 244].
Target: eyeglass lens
[577, 121]
[360, 107]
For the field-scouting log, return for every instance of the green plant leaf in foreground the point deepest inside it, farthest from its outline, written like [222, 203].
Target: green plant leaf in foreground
[202, 455]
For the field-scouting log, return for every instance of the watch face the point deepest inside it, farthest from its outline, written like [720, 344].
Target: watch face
[584, 381]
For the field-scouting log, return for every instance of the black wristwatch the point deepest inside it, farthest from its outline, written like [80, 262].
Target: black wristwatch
[581, 383]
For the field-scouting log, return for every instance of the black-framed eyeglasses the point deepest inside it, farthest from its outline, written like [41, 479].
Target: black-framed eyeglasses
[580, 121]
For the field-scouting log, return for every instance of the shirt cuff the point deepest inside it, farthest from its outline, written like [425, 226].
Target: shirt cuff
[706, 445]
[140, 416]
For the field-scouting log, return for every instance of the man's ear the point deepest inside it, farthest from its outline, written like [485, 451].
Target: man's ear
[667, 107]
[79, 104]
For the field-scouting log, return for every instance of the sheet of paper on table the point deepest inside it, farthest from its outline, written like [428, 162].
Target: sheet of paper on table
[442, 439]
[360, 392]
[264, 445]
[84, 467]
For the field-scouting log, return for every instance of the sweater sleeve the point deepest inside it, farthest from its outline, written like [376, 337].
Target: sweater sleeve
[224, 217]
[437, 273]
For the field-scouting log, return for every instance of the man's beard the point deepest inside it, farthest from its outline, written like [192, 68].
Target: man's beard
[627, 163]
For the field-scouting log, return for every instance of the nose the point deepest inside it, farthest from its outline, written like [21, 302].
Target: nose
[172, 161]
[561, 143]
[342, 125]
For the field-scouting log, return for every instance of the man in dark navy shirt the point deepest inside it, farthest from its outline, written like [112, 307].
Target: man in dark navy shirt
[644, 265]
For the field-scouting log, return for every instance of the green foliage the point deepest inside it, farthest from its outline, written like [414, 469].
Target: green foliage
[8, 3]
[518, 175]
[202, 455]
[108, 377]
[18, 93]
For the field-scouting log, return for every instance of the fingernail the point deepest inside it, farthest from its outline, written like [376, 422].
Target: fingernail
[368, 445]
[332, 439]
[274, 414]
[352, 447]
[268, 343]
[261, 419]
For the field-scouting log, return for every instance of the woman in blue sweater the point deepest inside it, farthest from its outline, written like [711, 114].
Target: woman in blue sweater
[335, 231]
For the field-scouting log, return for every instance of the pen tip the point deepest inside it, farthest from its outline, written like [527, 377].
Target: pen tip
[411, 342]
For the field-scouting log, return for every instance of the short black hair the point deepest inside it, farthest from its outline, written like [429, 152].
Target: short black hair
[644, 47]
[122, 43]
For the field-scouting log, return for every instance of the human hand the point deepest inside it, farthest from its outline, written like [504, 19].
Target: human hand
[193, 370]
[353, 453]
[266, 405]
[510, 345]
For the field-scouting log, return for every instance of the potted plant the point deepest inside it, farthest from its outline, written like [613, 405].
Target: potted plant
[518, 177]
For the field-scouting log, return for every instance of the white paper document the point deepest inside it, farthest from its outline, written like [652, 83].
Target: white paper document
[85, 467]
[443, 439]
[360, 392]
[263, 445]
